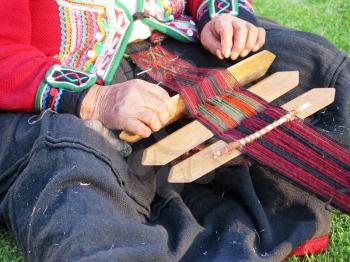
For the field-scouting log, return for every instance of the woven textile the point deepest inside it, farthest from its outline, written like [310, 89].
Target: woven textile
[295, 150]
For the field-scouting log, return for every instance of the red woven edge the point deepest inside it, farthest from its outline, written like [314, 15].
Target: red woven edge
[313, 246]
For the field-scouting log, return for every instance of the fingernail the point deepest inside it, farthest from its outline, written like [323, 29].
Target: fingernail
[146, 134]
[218, 54]
[227, 53]
[244, 53]
[234, 56]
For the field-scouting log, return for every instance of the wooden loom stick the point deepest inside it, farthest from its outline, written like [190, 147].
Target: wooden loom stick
[203, 162]
[245, 72]
[252, 68]
[195, 133]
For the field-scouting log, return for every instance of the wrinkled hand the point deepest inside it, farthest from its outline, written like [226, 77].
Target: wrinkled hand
[135, 106]
[229, 36]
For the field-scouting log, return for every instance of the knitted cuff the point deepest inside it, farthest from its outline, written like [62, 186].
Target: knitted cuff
[63, 90]
[211, 8]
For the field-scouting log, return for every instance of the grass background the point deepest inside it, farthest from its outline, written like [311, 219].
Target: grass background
[329, 18]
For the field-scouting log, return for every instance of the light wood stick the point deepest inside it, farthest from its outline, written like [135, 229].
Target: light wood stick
[193, 134]
[203, 162]
[244, 72]
[252, 68]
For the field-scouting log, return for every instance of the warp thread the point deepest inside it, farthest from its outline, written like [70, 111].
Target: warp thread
[294, 149]
[239, 144]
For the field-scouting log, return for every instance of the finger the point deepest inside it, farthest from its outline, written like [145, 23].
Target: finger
[163, 108]
[156, 105]
[261, 39]
[240, 32]
[219, 54]
[136, 127]
[158, 92]
[224, 31]
[149, 118]
[252, 37]
[211, 43]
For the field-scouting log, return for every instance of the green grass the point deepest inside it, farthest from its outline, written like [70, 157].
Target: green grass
[8, 249]
[330, 18]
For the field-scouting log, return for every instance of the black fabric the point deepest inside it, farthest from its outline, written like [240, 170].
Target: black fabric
[70, 102]
[71, 191]
[247, 16]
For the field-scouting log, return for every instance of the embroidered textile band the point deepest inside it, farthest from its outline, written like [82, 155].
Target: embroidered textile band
[60, 85]
[94, 35]
[217, 7]
[68, 78]
[208, 9]
[295, 150]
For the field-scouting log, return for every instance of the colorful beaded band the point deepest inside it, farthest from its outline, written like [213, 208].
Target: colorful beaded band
[62, 82]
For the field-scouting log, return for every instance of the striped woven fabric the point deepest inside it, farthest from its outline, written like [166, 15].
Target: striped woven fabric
[294, 150]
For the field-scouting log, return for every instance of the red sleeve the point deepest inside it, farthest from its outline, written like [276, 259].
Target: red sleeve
[22, 67]
[193, 6]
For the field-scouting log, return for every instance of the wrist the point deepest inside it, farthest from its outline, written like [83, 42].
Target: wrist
[89, 104]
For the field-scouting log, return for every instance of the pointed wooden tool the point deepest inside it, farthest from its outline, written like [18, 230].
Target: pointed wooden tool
[244, 72]
[194, 134]
[203, 162]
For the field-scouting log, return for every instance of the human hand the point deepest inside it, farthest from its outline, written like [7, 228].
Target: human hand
[135, 106]
[229, 36]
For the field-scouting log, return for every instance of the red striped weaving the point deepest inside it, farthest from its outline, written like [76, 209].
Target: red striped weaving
[295, 150]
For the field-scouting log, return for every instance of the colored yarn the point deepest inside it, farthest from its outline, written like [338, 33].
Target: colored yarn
[295, 150]
[216, 116]
[239, 144]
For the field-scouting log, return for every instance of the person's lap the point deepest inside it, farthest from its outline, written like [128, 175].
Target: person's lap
[69, 174]
[74, 199]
